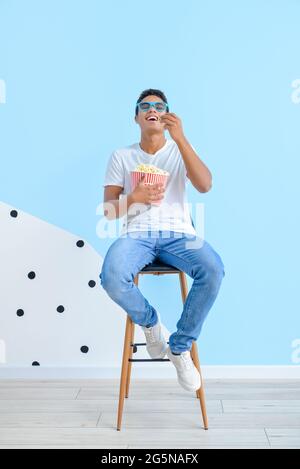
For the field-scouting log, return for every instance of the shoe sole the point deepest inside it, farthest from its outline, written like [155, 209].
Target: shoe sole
[189, 389]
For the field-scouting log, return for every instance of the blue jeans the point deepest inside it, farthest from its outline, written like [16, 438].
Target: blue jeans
[131, 252]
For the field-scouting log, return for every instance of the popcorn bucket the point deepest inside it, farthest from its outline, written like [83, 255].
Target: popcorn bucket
[150, 178]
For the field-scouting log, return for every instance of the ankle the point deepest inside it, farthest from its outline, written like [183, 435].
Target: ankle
[149, 325]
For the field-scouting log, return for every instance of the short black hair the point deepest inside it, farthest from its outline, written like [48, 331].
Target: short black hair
[151, 92]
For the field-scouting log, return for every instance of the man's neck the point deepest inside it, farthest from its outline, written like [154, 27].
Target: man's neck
[152, 143]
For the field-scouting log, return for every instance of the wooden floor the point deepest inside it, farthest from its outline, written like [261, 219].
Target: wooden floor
[157, 414]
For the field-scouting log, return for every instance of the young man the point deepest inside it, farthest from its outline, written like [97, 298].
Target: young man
[160, 231]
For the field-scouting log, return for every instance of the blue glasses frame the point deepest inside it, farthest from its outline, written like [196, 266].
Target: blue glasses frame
[152, 104]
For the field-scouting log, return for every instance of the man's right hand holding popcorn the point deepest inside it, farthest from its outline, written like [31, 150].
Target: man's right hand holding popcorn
[147, 193]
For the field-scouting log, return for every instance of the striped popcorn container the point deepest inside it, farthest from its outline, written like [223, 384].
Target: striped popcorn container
[150, 178]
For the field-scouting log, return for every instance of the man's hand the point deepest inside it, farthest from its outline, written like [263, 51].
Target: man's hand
[146, 193]
[173, 124]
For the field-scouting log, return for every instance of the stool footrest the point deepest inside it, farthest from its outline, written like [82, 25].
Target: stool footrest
[142, 343]
[135, 346]
[148, 360]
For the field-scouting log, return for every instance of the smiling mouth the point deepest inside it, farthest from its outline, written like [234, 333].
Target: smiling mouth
[152, 119]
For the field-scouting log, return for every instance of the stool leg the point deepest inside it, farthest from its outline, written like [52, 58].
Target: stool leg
[200, 392]
[196, 360]
[129, 363]
[124, 371]
[136, 281]
[194, 354]
[184, 294]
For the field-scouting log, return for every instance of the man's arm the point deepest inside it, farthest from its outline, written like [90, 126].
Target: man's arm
[197, 172]
[143, 193]
[113, 206]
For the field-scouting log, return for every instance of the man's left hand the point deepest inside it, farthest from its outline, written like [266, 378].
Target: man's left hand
[173, 124]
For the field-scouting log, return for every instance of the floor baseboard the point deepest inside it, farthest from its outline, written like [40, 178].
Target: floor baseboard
[160, 371]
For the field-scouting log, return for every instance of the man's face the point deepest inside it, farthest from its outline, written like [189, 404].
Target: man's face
[149, 121]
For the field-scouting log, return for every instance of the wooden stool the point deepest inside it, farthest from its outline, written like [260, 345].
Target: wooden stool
[155, 268]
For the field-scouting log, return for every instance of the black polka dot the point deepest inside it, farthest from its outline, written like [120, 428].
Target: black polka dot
[35, 364]
[20, 312]
[31, 275]
[60, 309]
[84, 349]
[92, 283]
[14, 213]
[80, 243]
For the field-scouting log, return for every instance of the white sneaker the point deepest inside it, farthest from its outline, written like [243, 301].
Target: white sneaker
[187, 374]
[156, 343]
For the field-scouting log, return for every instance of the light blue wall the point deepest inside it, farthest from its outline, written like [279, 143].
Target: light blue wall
[72, 72]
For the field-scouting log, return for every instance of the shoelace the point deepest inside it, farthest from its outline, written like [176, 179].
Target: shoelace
[186, 359]
[150, 335]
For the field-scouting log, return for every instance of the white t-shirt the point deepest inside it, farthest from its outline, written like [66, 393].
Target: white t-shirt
[173, 214]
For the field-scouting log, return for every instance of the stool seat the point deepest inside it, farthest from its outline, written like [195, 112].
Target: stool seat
[158, 266]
